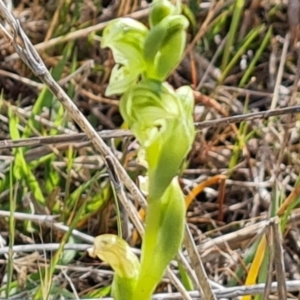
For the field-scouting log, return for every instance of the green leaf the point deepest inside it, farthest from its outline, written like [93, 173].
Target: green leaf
[189, 11]
[163, 237]
[98, 293]
[21, 169]
[166, 153]
[68, 255]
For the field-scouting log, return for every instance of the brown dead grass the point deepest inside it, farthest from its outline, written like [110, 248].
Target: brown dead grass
[225, 219]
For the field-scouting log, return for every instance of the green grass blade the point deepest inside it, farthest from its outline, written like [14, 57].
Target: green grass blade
[21, 169]
[12, 208]
[186, 281]
[234, 26]
[242, 49]
[256, 57]
[55, 259]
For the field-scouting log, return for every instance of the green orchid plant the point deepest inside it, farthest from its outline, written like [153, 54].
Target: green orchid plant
[161, 120]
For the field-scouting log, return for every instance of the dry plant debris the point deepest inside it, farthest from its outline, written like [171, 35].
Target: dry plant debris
[242, 181]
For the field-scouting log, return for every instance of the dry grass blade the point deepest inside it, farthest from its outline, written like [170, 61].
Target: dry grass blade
[292, 286]
[270, 241]
[61, 139]
[129, 209]
[279, 261]
[44, 247]
[233, 292]
[203, 286]
[293, 15]
[289, 200]
[107, 134]
[251, 116]
[280, 72]
[79, 34]
[215, 6]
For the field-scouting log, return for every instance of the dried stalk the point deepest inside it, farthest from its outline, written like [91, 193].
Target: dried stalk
[106, 134]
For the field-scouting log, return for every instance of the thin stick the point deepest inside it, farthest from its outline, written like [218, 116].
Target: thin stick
[279, 261]
[251, 116]
[231, 292]
[106, 134]
[44, 247]
[62, 139]
[76, 34]
[270, 243]
[280, 71]
[204, 287]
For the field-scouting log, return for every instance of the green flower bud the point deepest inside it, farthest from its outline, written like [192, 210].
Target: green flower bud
[159, 10]
[164, 46]
[118, 254]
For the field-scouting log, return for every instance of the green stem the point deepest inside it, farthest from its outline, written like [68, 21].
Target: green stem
[163, 237]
